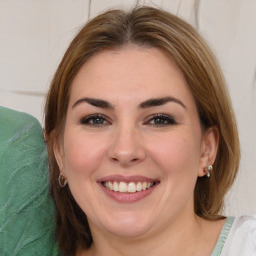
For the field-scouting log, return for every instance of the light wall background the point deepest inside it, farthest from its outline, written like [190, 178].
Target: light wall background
[35, 33]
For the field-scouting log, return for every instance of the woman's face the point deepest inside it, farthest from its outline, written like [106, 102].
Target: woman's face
[133, 146]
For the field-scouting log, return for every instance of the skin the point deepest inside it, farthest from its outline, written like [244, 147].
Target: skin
[128, 140]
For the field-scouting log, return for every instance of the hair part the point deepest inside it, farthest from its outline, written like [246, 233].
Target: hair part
[145, 27]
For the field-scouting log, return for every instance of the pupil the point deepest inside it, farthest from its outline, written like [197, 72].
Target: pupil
[159, 120]
[97, 120]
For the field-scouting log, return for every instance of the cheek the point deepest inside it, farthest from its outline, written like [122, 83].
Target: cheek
[82, 154]
[177, 155]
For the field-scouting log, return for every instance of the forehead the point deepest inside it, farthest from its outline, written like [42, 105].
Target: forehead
[130, 72]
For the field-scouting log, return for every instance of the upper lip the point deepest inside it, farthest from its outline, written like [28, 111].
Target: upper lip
[127, 179]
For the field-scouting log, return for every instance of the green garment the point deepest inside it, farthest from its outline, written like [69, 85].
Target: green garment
[27, 210]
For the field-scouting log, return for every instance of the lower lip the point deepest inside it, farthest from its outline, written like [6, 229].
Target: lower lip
[127, 197]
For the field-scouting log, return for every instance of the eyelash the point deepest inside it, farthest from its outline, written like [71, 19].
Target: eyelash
[164, 120]
[100, 120]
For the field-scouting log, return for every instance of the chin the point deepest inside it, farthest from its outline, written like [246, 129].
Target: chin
[127, 226]
[127, 231]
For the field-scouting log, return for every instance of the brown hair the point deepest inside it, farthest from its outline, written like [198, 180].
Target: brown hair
[145, 27]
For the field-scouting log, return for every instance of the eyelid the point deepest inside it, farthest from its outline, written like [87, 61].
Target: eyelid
[166, 117]
[85, 119]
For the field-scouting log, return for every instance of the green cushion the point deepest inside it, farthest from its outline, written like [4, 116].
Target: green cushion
[26, 208]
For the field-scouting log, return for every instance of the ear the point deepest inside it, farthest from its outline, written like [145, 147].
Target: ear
[58, 153]
[209, 148]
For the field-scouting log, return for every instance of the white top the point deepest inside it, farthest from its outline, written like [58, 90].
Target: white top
[237, 238]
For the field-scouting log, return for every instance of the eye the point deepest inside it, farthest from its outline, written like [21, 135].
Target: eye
[161, 120]
[95, 120]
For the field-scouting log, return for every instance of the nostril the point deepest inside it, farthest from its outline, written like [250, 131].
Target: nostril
[125, 160]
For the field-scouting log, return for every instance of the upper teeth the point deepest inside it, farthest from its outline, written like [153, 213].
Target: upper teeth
[130, 187]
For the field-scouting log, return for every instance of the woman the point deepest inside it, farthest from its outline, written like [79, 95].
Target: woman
[142, 140]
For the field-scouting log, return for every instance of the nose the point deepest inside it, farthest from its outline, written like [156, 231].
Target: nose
[127, 147]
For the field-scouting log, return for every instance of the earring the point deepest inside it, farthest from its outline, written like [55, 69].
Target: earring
[62, 180]
[209, 169]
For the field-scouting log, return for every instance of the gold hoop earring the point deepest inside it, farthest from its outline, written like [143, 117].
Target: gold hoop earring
[209, 169]
[62, 180]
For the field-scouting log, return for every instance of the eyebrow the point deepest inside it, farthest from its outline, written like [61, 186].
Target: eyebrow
[154, 102]
[94, 102]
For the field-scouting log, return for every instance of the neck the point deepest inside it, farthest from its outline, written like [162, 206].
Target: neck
[178, 238]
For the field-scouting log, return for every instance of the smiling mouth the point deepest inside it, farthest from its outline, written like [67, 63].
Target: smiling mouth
[128, 187]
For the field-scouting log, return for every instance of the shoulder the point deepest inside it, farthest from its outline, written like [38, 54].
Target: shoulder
[26, 207]
[245, 220]
[245, 225]
[241, 239]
